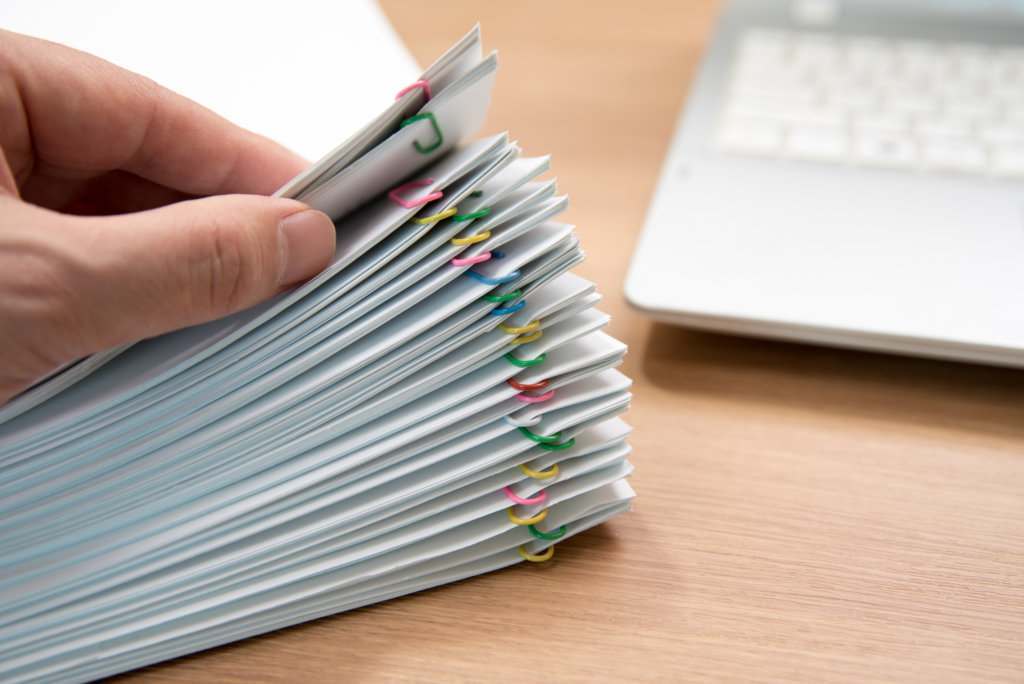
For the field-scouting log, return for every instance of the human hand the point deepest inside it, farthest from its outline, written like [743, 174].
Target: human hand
[101, 241]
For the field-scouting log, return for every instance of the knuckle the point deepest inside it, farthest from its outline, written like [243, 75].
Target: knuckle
[224, 272]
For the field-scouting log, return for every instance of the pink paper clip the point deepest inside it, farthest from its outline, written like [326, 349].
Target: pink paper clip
[421, 84]
[396, 194]
[541, 497]
[470, 261]
[530, 399]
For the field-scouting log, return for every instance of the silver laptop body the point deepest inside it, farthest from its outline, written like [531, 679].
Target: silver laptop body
[849, 173]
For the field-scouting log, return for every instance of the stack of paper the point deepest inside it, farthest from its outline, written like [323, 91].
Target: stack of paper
[439, 403]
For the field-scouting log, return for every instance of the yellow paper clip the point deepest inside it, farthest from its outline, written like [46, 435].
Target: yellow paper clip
[529, 338]
[472, 239]
[539, 474]
[514, 330]
[427, 220]
[537, 557]
[516, 520]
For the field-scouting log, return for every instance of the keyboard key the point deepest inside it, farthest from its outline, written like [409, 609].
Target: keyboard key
[910, 103]
[1003, 133]
[1008, 94]
[799, 110]
[851, 100]
[819, 143]
[1008, 160]
[942, 127]
[764, 44]
[750, 135]
[894, 122]
[870, 55]
[881, 149]
[819, 53]
[974, 110]
[954, 155]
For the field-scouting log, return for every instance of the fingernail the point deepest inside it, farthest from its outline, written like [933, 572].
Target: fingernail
[307, 242]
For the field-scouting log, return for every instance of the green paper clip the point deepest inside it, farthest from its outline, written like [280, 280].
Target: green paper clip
[437, 131]
[507, 297]
[525, 363]
[540, 439]
[479, 213]
[547, 536]
[568, 444]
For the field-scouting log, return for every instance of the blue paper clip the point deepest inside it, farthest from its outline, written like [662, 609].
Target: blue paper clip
[501, 311]
[493, 281]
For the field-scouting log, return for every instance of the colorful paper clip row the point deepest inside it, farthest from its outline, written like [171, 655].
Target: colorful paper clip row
[531, 524]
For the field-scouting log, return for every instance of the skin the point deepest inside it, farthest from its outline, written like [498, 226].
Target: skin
[127, 211]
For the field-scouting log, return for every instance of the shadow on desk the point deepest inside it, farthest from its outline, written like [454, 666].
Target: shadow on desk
[985, 399]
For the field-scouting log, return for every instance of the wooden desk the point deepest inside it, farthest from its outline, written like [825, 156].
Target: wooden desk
[803, 513]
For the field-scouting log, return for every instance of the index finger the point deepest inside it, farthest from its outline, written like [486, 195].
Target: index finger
[70, 114]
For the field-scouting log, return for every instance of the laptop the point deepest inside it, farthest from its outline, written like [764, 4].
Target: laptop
[849, 173]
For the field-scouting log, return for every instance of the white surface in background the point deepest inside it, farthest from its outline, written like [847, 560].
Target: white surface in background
[307, 73]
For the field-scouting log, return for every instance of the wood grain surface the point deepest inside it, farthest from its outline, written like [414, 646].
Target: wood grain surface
[804, 514]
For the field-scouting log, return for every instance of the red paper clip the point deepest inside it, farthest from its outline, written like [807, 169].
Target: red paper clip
[421, 84]
[539, 498]
[470, 261]
[396, 194]
[527, 387]
[531, 399]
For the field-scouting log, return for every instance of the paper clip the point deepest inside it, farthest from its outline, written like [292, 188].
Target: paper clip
[522, 422]
[518, 330]
[426, 116]
[528, 387]
[470, 261]
[428, 220]
[526, 363]
[541, 439]
[539, 498]
[529, 398]
[502, 310]
[547, 536]
[516, 520]
[477, 193]
[507, 297]
[536, 557]
[501, 280]
[396, 194]
[472, 239]
[529, 338]
[568, 444]
[539, 474]
[479, 213]
[420, 84]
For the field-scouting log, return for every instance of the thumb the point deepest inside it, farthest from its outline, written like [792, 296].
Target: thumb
[190, 262]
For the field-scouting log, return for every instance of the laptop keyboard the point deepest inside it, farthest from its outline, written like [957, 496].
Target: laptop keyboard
[914, 105]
